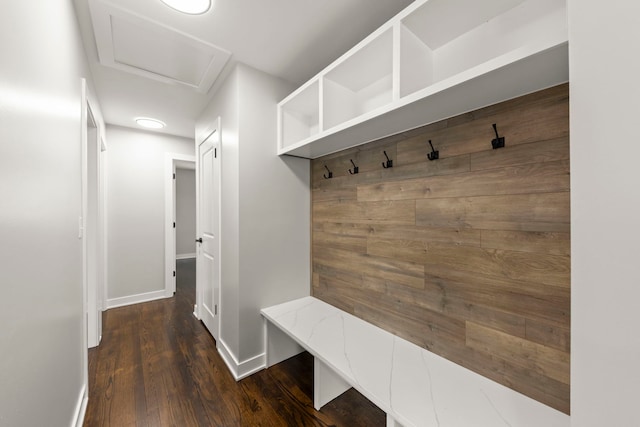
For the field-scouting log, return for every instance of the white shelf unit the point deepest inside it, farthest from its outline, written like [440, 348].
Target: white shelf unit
[434, 60]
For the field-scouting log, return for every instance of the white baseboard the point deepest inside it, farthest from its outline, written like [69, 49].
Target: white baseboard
[186, 256]
[81, 408]
[136, 299]
[240, 370]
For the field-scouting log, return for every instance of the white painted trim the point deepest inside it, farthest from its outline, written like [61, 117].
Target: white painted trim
[93, 235]
[243, 369]
[186, 256]
[228, 357]
[105, 221]
[84, 107]
[170, 161]
[136, 299]
[169, 231]
[81, 408]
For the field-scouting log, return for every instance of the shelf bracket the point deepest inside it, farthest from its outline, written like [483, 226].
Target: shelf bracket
[434, 154]
[498, 142]
[389, 163]
[330, 173]
[355, 168]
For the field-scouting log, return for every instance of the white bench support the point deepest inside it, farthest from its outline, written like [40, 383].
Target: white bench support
[279, 346]
[327, 385]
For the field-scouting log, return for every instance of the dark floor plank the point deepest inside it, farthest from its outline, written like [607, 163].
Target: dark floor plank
[158, 366]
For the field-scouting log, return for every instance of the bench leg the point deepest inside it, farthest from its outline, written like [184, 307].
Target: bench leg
[278, 345]
[327, 385]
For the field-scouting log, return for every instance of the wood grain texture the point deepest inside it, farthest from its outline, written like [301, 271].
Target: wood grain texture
[547, 177]
[394, 212]
[539, 358]
[392, 270]
[552, 270]
[527, 241]
[158, 366]
[537, 301]
[467, 256]
[544, 212]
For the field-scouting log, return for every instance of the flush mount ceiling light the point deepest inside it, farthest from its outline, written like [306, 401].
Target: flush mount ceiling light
[148, 123]
[192, 7]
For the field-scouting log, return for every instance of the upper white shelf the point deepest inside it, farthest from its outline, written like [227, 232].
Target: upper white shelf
[434, 60]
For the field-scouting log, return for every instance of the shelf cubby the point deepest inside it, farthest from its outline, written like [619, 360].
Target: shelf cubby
[361, 83]
[300, 116]
[437, 42]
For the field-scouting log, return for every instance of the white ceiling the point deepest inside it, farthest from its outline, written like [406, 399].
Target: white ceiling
[290, 39]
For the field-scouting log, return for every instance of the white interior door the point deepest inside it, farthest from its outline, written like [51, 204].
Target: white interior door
[208, 225]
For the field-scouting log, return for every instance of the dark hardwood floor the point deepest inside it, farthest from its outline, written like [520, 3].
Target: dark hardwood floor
[158, 366]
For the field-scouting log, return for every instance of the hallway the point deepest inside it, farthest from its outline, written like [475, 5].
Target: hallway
[158, 366]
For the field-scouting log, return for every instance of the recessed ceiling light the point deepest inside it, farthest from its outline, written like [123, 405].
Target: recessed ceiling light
[148, 123]
[192, 7]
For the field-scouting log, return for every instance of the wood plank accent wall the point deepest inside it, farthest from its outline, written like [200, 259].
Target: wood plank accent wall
[468, 255]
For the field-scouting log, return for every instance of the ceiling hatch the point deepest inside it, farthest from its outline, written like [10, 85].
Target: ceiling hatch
[131, 43]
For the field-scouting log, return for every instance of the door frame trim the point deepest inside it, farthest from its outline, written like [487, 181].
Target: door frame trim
[171, 162]
[94, 279]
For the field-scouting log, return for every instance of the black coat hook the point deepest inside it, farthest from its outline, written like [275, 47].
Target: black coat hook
[355, 168]
[389, 163]
[330, 173]
[498, 142]
[433, 155]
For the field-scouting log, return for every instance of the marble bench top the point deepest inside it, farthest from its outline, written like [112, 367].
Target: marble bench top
[415, 386]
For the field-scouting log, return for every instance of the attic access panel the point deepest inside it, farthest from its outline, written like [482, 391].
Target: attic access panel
[132, 43]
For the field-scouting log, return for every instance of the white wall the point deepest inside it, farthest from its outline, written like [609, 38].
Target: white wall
[265, 219]
[275, 210]
[135, 213]
[43, 353]
[185, 212]
[605, 192]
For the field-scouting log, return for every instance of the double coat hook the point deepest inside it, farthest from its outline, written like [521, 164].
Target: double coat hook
[389, 163]
[355, 168]
[498, 142]
[330, 173]
[433, 155]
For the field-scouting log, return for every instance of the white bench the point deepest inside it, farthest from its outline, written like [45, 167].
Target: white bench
[412, 385]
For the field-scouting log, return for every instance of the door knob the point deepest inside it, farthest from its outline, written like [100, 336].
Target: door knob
[199, 240]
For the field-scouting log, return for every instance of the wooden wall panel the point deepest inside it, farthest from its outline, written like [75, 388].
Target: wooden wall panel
[467, 256]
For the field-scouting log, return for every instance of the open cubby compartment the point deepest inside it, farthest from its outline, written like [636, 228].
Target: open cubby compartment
[360, 83]
[300, 115]
[443, 38]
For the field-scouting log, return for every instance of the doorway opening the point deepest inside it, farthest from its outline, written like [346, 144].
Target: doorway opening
[185, 231]
[186, 280]
[180, 234]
